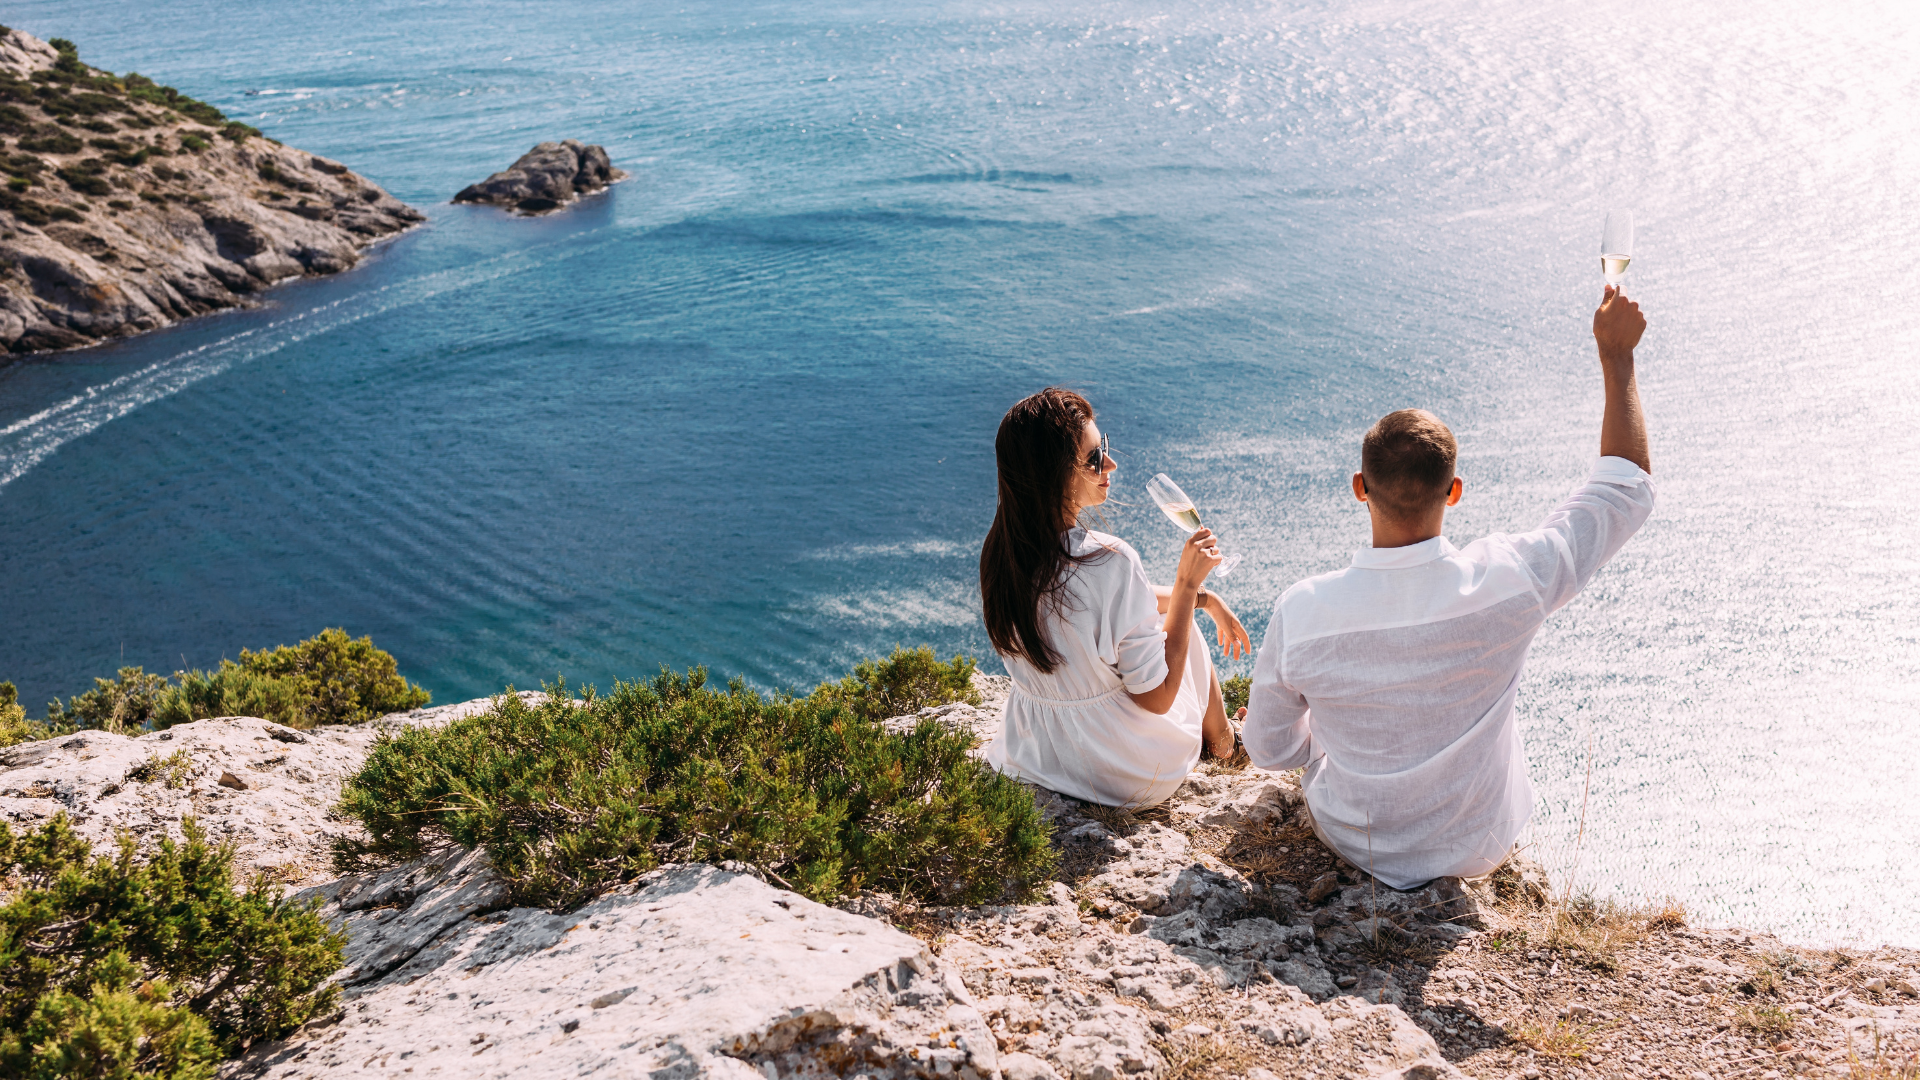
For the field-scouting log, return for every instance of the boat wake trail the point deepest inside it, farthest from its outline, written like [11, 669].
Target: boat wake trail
[28, 441]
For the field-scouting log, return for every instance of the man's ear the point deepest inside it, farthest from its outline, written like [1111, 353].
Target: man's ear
[1360, 486]
[1454, 492]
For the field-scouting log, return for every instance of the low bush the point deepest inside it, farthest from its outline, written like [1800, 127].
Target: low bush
[126, 965]
[1234, 693]
[337, 679]
[49, 141]
[27, 210]
[14, 725]
[571, 798]
[120, 705]
[329, 678]
[905, 682]
[85, 180]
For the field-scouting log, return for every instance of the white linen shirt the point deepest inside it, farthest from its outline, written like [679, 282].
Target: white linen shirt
[1393, 682]
[1074, 730]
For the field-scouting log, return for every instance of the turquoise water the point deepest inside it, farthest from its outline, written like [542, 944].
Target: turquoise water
[739, 411]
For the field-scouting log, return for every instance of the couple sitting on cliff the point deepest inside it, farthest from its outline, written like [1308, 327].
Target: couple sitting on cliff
[1392, 680]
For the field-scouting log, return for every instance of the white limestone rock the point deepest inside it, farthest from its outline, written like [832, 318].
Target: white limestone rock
[278, 815]
[694, 971]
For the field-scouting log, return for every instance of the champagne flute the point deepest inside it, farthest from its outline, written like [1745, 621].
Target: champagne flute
[1616, 246]
[1179, 509]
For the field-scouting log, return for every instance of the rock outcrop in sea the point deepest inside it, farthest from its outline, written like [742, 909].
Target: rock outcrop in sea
[130, 206]
[546, 178]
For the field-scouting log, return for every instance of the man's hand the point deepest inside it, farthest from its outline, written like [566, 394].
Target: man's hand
[1233, 636]
[1617, 326]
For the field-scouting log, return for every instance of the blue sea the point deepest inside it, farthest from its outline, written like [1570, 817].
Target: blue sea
[739, 411]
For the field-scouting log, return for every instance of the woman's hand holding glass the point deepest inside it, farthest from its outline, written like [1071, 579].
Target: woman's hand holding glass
[1198, 556]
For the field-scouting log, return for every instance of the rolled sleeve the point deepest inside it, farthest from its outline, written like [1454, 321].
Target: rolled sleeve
[1278, 732]
[1140, 645]
[1586, 530]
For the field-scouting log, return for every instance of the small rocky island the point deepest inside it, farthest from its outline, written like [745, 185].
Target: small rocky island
[130, 206]
[546, 178]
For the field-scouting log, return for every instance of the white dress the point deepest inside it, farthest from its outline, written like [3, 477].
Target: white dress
[1075, 730]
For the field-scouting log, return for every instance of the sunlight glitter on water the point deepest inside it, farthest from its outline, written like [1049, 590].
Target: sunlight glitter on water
[740, 411]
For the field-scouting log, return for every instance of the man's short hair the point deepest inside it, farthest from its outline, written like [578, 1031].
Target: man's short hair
[1407, 460]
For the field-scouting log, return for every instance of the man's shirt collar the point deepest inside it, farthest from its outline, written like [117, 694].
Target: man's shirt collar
[1369, 558]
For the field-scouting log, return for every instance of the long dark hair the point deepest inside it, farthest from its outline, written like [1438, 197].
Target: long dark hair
[1037, 449]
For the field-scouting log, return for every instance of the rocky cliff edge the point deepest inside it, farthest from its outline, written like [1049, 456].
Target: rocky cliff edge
[129, 206]
[1212, 937]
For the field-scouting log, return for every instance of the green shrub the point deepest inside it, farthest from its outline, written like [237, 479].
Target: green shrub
[26, 210]
[193, 143]
[571, 798]
[173, 771]
[86, 181]
[1235, 691]
[116, 1030]
[50, 141]
[125, 966]
[230, 691]
[338, 679]
[14, 725]
[906, 682]
[125, 704]
[329, 678]
[141, 88]
[237, 131]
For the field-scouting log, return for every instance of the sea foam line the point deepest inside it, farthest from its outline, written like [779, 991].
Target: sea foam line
[28, 441]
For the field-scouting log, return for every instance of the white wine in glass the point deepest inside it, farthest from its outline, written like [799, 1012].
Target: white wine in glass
[1616, 246]
[1180, 510]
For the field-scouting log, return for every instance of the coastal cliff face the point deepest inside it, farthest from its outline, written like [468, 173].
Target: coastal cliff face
[129, 206]
[1210, 938]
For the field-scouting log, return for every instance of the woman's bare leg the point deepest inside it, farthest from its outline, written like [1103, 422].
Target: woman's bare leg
[1216, 735]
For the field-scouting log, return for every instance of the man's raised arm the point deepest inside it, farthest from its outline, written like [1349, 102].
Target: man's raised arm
[1617, 327]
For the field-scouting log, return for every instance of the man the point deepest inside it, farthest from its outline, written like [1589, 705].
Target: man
[1393, 680]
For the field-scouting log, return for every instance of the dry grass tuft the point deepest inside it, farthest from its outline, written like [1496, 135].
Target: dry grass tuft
[1667, 914]
[1769, 1021]
[1594, 931]
[1203, 1057]
[1764, 981]
[1256, 849]
[1557, 1037]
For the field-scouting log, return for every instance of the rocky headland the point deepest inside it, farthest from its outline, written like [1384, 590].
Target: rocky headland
[546, 178]
[130, 206]
[1213, 936]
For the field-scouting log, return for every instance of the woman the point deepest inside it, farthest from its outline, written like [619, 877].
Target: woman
[1113, 690]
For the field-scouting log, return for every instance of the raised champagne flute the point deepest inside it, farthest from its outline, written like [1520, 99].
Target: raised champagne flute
[1180, 510]
[1616, 246]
